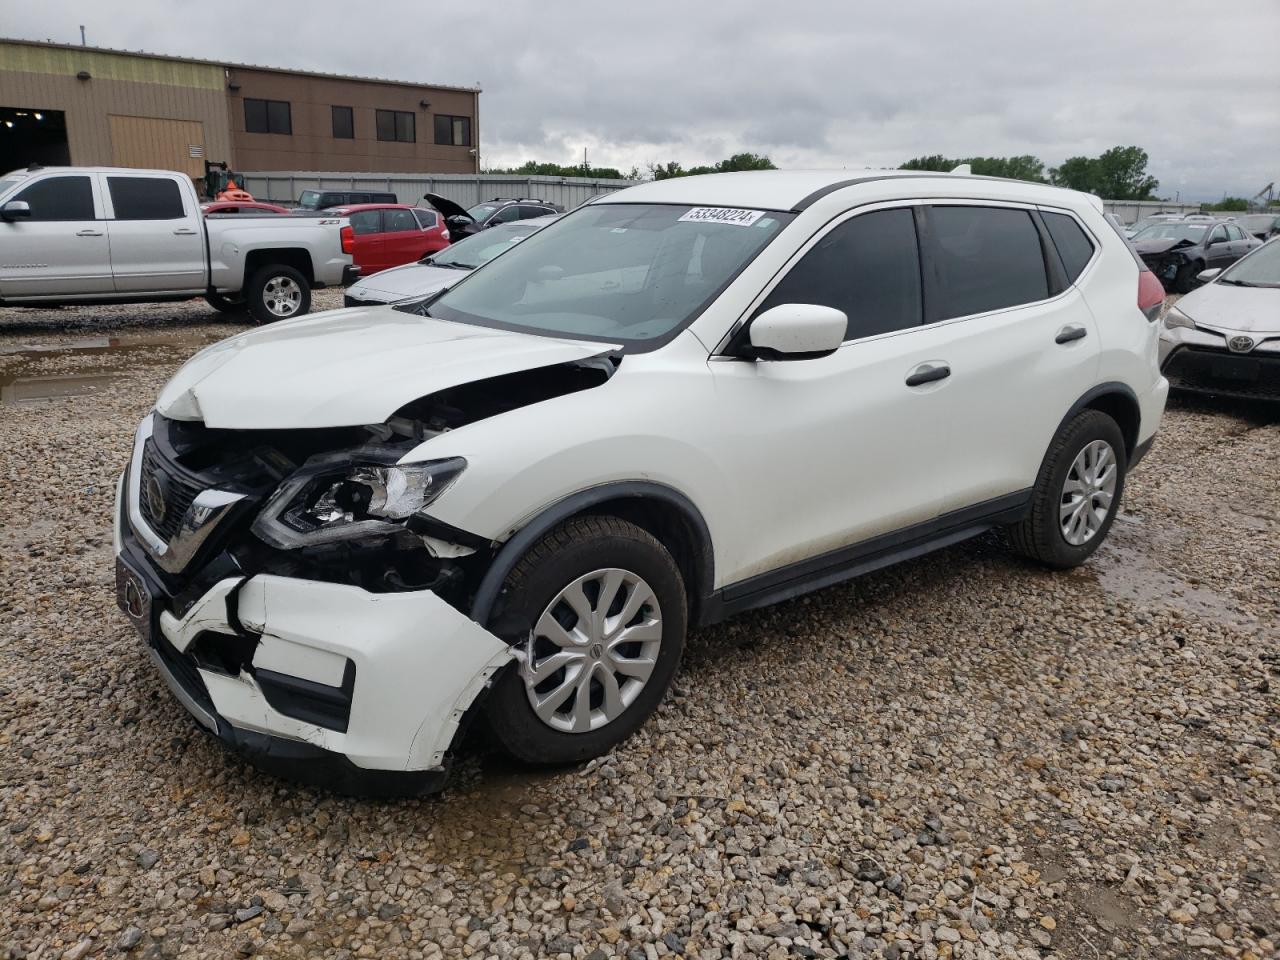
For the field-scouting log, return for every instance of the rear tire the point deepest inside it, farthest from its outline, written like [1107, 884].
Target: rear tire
[225, 304]
[277, 292]
[568, 607]
[1076, 495]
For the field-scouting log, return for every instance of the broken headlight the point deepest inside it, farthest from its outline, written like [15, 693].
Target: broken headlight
[331, 501]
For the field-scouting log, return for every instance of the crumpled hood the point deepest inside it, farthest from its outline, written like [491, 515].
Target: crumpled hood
[1243, 309]
[1148, 247]
[404, 282]
[347, 368]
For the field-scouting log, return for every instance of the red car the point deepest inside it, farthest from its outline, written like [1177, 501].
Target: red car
[250, 207]
[389, 234]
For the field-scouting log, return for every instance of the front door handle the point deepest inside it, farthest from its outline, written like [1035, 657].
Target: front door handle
[926, 373]
[184, 232]
[88, 233]
[1067, 334]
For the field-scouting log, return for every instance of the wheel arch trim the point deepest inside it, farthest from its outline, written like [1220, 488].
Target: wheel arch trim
[519, 543]
[1110, 389]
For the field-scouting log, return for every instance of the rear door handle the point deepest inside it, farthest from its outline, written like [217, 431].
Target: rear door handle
[926, 373]
[1067, 334]
[88, 233]
[184, 232]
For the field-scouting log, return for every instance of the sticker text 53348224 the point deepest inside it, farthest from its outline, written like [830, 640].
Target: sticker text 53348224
[736, 218]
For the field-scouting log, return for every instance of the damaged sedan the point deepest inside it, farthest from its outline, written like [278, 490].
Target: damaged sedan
[344, 538]
[1177, 251]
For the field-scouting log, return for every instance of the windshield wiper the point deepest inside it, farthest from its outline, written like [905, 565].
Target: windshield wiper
[454, 265]
[1241, 283]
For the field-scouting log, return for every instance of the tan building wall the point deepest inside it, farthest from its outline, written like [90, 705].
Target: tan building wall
[312, 145]
[119, 87]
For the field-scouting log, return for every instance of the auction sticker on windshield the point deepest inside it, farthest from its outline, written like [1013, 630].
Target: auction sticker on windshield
[737, 218]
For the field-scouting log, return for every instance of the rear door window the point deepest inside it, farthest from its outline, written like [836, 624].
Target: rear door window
[985, 258]
[398, 221]
[1073, 244]
[868, 267]
[59, 198]
[425, 217]
[145, 198]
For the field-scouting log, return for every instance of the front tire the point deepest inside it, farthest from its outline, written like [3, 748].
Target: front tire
[277, 292]
[597, 613]
[1076, 495]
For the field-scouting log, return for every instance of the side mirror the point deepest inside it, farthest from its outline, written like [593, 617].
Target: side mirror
[797, 331]
[15, 209]
[1204, 276]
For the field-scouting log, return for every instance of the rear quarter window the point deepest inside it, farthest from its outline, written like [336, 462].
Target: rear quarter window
[985, 258]
[1073, 244]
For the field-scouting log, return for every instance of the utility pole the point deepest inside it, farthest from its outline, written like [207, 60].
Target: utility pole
[82, 43]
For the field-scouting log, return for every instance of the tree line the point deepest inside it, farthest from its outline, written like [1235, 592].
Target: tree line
[1117, 174]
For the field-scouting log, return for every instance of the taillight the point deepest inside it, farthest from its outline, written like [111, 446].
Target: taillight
[348, 239]
[444, 232]
[1150, 295]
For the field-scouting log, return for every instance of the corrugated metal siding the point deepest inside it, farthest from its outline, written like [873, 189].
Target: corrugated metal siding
[150, 142]
[463, 189]
[89, 103]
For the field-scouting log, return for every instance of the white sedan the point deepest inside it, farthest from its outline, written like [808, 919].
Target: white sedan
[1224, 338]
[443, 268]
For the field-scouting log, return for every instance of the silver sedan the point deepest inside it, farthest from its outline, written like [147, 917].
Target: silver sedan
[1224, 338]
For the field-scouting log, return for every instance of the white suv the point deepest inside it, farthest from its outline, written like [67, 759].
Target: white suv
[345, 536]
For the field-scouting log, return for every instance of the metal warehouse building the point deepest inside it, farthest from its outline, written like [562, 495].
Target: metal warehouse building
[66, 104]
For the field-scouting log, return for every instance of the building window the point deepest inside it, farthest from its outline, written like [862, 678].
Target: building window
[396, 125]
[453, 131]
[267, 116]
[344, 127]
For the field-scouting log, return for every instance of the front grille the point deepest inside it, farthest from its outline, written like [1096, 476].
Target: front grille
[177, 493]
[1219, 371]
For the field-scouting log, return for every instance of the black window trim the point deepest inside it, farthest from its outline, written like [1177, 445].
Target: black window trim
[929, 292]
[288, 104]
[1092, 237]
[395, 124]
[451, 117]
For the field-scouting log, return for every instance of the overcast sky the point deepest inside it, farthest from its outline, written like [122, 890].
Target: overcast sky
[811, 83]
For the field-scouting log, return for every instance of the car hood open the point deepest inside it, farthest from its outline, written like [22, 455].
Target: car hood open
[348, 368]
[1226, 307]
[446, 207]
[405, 282]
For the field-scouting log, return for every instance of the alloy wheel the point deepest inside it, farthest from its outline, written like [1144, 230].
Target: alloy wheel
[592, 650]
[1088, 492]
[282, 296]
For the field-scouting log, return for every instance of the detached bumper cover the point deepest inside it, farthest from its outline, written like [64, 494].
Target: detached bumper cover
[408, 664]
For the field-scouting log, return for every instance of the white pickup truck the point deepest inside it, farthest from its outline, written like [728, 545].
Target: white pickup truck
[109, 235]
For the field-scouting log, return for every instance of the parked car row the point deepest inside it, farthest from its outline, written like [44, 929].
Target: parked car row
[1177, 251]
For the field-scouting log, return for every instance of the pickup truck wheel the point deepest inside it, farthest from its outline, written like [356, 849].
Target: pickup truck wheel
[224, 303]
[599, 608]
[1076, 495]
[278, 292]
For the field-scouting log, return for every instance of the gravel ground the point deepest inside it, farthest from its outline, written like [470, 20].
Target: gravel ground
[962, 756]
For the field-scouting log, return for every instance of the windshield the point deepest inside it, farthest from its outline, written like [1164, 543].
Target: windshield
[309, 199]
[8, 183]
[1259, 269]
[621, 273]
[481, 211]
[473, 251]
[1173, 231]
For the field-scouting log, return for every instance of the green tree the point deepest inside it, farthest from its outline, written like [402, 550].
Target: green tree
[739, 161]
[1119, 174]
[533, 168]
[1025, 167]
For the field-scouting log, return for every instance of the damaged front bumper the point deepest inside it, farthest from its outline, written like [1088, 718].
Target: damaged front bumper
[321, 682]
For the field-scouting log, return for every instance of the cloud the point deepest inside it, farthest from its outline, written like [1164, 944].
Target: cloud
[817, 83]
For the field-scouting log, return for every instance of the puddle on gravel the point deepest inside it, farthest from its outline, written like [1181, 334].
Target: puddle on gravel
[1126, 569]
[22, 384]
